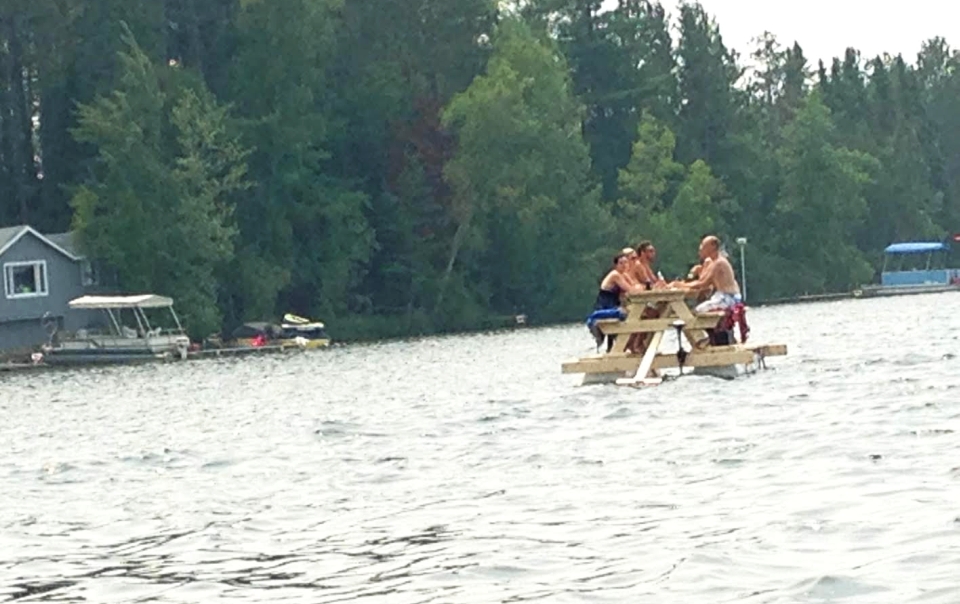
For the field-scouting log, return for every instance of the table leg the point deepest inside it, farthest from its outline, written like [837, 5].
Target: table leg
[645, 373]
[683, 312]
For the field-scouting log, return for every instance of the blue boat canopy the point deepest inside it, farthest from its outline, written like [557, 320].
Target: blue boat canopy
[921, 247]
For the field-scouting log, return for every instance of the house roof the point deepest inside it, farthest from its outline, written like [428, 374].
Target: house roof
[68, 241]
[62, 242]
[8, 233]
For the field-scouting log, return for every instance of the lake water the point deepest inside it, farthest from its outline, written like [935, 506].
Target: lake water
[468, 469]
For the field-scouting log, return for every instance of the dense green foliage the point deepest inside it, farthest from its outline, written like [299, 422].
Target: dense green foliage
[419, 165]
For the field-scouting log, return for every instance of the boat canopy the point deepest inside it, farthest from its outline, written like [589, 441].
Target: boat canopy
[921, 247]
[141, 301]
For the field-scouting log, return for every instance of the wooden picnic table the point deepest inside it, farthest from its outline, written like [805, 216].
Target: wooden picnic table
[671, 307]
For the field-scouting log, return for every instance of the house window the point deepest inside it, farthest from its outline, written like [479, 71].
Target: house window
[25, 279]
[88, 274]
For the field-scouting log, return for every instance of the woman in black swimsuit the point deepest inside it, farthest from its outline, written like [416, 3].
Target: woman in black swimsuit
[614, 285]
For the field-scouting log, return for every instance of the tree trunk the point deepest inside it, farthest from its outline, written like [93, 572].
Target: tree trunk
[23, 105]
[194, 45]
[455, 246]
[17, 124]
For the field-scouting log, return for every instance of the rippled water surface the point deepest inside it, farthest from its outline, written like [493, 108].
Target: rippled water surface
[468, 469]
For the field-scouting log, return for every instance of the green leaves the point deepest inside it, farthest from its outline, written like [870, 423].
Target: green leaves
[822, 200]
[436, 162]
[520, 173]
[651, 171]
[665, 202]
[158, 207]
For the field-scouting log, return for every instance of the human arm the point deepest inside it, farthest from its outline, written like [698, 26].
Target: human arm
[628, 285]
[703, 281]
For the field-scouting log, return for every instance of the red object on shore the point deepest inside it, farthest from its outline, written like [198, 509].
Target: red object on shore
[260, 340]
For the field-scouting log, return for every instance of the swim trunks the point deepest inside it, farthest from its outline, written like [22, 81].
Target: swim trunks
[718, 301]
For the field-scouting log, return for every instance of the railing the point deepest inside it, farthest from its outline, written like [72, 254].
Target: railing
[919, 277]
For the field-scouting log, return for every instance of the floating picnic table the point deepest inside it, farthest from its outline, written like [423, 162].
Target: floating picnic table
[635, 369]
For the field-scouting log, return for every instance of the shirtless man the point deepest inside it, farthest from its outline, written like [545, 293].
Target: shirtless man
[643, 269]
[642, 273]
[717, 273]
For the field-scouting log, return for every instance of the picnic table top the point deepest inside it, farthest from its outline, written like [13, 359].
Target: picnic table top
[660, 295]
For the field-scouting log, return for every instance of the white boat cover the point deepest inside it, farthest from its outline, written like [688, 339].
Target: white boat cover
[139, 301]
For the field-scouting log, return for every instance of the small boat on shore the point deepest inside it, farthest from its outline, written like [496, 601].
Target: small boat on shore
[293, 331]
[117, 342]
[914, 268]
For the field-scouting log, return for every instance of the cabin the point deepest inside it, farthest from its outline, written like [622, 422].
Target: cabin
[41, 274]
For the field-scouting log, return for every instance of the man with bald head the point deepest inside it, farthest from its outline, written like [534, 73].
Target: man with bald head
[717, 275]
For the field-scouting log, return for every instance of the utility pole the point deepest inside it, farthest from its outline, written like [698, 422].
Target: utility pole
[742, 242]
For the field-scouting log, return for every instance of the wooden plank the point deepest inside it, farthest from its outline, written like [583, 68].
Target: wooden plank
[623, 365]
[646, 365]
[706, 321]
[714, 356]
[649, 355]
[656, 295]
[693, 333]
[768, 350]
[707, 358]
[620, 345]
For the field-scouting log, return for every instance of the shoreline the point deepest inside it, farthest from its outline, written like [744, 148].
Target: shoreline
[20, 362]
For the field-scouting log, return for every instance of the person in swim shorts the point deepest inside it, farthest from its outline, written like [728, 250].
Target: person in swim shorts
[716, 274]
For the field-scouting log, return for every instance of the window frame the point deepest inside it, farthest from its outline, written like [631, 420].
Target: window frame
[88, 274]
[43, 274]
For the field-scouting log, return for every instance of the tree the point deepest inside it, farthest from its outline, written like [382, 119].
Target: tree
[519, 178]
[305, 235]
[821, 202]
[397, 66]
[621, 64]
[651, 173]
[157, 207]
[692, 215]
[665, 202]
[708, 72]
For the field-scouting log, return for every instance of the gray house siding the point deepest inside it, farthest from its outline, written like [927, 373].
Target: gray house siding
[21, 335]
[20, 317]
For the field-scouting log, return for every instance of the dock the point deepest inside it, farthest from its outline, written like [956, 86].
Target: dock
[238, 351]
[14, 366]
[808, 298]
[626, 368]
[11, 367]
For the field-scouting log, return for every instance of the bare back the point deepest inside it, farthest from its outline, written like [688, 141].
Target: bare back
[720, 276]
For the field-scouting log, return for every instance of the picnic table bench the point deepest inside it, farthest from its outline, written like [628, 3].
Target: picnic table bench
[672, 313]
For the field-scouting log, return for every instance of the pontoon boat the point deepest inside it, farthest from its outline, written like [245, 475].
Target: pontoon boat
[121, 343]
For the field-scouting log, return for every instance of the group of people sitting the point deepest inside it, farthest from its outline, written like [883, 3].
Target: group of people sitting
[712, 282]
